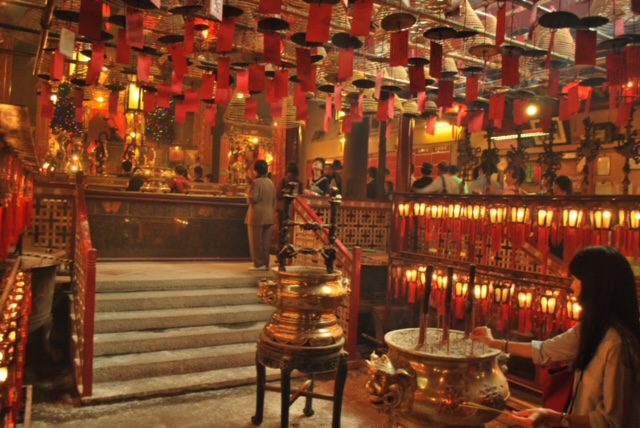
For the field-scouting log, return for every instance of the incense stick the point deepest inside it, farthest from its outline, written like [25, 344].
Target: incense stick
[478, 406]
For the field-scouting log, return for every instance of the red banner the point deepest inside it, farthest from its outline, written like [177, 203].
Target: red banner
[361, 22]
[320, 22]
[399, 55]
[435, 60]
[90, 24]
[135, 27]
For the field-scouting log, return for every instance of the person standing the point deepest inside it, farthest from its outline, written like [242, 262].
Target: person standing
[372, 174]
[337, 175]
[444, 183]
[425, 180]
[261, 198]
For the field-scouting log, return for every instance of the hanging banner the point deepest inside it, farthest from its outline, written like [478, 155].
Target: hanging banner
[135, 28]
[282, 83]
[256, 78]
[164, 96]
[67, 43]
[435, 60]
[96, 64]
[345, 64]
[361, 22]
[586, 46]
[144, 67]
[210, 115]
[180, 65]
[181, 113]
[90, 24]
[399, 51]
[225, 35]
[271, 47]
[150, 101]
[445, 93]
[123, 52]
[223, 72]
[472, 88]
[206, 88]
[319, 24]
[57, 66]
[510, 70]
[188, 35]
[501, 24]
[416, 79]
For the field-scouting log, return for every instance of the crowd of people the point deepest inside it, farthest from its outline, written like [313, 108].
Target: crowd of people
[178, 184]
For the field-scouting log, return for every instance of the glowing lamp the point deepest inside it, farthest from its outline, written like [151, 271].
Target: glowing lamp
[460, 289]
[455, 210]
[419, 208]
[411, 275]
[4, 374]
[532, 110]
[525, 298]
[133, 98]
[572, 217]
[403, 210]
[548, 304]
[422, 270]
[545, 217]
[476, 212]
[502, 293]
[176, 154]
[497, 214]
[601, 219]
[630, 218]
[438, 211]
[519, 214]
[574, 310]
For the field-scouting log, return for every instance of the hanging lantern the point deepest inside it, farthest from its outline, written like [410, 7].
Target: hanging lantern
[545, 217]
[525, 300]
[134, 98]
[572, 217]
[601, 219]
[574, 311]
[629, 218]
[476, 212]
[497, 214]
[501, 296]
[519, 215]
[419, 209]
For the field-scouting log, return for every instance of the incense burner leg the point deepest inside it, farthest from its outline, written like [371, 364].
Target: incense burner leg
[285, 395]
[338, 388]
[261, 377]
[308, 405]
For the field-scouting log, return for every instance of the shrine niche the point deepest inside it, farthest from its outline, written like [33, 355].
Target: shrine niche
[244, 147]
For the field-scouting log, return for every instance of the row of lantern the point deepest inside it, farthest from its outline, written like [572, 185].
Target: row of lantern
[16, 201]
[600, 218]
[531, 308]
[14, 330]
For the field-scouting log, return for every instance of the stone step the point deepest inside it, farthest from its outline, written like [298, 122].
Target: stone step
[168, 299]
[158, 284]
[162, 363]
[176, 338]
[105, 392]
[109, 322]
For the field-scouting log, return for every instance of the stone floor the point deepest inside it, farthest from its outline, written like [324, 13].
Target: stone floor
[231, 407]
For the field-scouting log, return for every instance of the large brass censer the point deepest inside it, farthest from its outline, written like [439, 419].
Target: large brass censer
[304, 329]
[436, 384]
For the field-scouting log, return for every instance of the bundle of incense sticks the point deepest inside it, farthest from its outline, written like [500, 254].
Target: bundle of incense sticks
[447, 308]
[424, 310]
[478, 406]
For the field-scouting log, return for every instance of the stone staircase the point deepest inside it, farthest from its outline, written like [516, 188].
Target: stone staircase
[168, 334]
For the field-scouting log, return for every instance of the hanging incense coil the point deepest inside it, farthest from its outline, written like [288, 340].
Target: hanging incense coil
[563, 42]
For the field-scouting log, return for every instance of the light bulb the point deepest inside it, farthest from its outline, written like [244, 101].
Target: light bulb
[532, 110]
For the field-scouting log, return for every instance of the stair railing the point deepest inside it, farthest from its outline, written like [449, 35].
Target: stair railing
[84, 294]
[349, 262]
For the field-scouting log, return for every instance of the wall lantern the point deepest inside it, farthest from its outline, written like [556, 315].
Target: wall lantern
[572, 217]
[133, 98]
[601, 219]
[545, 217]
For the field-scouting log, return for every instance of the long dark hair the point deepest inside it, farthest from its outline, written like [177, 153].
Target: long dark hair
[608, 299]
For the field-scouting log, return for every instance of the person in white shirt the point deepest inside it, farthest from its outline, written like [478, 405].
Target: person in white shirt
[444, 183]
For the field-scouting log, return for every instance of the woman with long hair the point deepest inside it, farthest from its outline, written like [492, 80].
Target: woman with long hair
[604, 347]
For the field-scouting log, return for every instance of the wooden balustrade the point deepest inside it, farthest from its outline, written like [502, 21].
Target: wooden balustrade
[84, 294]
[348, 261]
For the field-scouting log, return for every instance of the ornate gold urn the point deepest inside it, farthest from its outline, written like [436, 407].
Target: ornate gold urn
[304, 327]
[437, 384]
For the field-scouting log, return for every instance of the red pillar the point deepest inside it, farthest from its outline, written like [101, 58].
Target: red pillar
[405, 154]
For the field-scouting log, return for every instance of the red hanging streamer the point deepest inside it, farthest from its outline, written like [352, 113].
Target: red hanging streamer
[57, 66]
[435, 60]
[181, 113]
[178, 59]
[616, 68]
[123, 52]
[416, 78]
[496, 109]
[303, 63]
[632, 60]
[113, 103]
[520, 111]
[256, 78]
[318, 26]
[501, 24]
[210, 115]
[206, 88]
[624, 113]
[90, 24]
[586, 46]
[188, 35]
[554, 82]
[176, 83]
[472, 88]
[225, 35]
[223, 72]
[362, 13]
[150, 101]
[399, 55]
[164, 96]
[510, 70]
[345, 64]
[144, 66]
[271, 47]
[476, 121]
[135, 28]
[97, 61]
[251, 109]
[445, 93]
[282, 83]
[270, 6]
[242, 82]
[191, 99]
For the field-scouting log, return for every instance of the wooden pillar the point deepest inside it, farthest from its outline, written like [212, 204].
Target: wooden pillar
[292, 142]
[404, 157]
[382, 161]
[356, 154]
[216, 137]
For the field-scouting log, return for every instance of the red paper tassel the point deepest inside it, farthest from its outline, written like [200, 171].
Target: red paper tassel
[191, 101]
[282, 83]
[256, 78]
[520, 111]
[510, 70]
[113, 103]
[97, 61]
[345, 64]
[210, 115]
[90, 24]
[270, 6]
[223, 72]
[416, 78]
[472, 88]
[399, 55]
[362, 13]
[188, 36]
[181, 113]
[337, 97]
[445, 93]
[144, 66]
[303, 62]
[135, 28]
[123, 52]
[318, 26]
[206, 89]
[500, 25]
[150, 101]
[435, 58]
[225, 35]
[615, 68]
[496, 109]
[632, 59]
[251, 109]
[586, 45]
[57, 66]
[178, 59]
[271, 47]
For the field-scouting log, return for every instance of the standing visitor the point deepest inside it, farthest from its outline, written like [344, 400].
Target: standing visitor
[425, 180]
[603, 348]
[444, 183]
[372, 173]
[562, 186]
[454, 171]
[261, 197]
[514, 179]
[337, 175]
[319, 184]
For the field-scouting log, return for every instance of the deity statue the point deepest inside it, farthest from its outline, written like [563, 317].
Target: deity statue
[131, 151]
[238, 171]
[98, 154]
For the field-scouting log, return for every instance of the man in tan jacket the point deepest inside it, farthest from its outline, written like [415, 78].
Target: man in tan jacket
[261, 198]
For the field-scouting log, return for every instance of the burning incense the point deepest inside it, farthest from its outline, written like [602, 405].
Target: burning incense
[470, 310]
[425, 308]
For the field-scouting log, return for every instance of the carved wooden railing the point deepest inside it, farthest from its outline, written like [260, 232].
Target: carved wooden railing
[348, 261]
[84, 295]
[15, 307]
